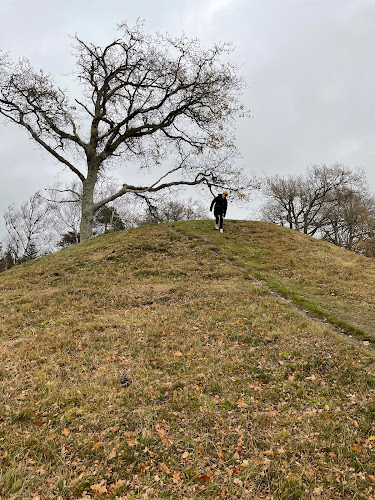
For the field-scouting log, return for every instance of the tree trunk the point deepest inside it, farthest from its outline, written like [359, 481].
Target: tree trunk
[87, 206]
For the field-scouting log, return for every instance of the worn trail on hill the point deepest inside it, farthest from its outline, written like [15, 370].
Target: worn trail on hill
[219, 253]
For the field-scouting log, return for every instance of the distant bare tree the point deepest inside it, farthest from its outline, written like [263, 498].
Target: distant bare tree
[366, 242]
[28, 229]
[6, 258]
[170, 210]
[302, 202]
[348, 218]
[109, 219]
[283, 204]
[161, 103]
[64, 204]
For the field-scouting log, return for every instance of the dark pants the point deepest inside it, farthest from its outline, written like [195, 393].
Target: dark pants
[219, 215]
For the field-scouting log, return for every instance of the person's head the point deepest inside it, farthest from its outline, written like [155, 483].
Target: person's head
[225, 194]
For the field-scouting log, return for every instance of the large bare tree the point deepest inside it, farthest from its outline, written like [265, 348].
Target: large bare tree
[153, 101]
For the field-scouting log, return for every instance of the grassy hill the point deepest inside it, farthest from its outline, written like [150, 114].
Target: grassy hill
[171, 361]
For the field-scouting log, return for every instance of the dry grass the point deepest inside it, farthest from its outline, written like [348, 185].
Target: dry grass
[144, 364]
[338, 282]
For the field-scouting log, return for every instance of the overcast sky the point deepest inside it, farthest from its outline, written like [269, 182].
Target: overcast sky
[309, 67]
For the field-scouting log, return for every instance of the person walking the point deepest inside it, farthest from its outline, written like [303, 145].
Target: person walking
[220, 209]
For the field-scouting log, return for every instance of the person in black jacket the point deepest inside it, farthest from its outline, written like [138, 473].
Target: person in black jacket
[220, 209]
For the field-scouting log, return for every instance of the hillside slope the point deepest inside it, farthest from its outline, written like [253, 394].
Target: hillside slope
[165, 362]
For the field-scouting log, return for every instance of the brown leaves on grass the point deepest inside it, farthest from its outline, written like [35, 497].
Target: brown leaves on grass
[131, 442]
[115, 486]
[167, 441]
[99, 488]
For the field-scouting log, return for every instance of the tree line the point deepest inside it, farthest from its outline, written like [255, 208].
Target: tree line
[333, 203]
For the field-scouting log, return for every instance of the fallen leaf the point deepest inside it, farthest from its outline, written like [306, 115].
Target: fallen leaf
[204, 478]
[241, 404]
[372, 478]
[266, 463]
[96, 445]
[115, 486]
[164, 468]
[185, 455]
[371, 438]
[356, 448]
[131, 442]
[232, 471]
[99, 488]
[201, 451]
[51, 437]
[112, 454]
[266, 452]
[176, 477]
[166, 440]
[66, 432]
[177, 353]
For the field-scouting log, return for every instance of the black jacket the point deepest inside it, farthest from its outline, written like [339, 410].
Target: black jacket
[220, 205]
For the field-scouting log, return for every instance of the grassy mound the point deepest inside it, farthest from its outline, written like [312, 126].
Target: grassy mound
[170, 361]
